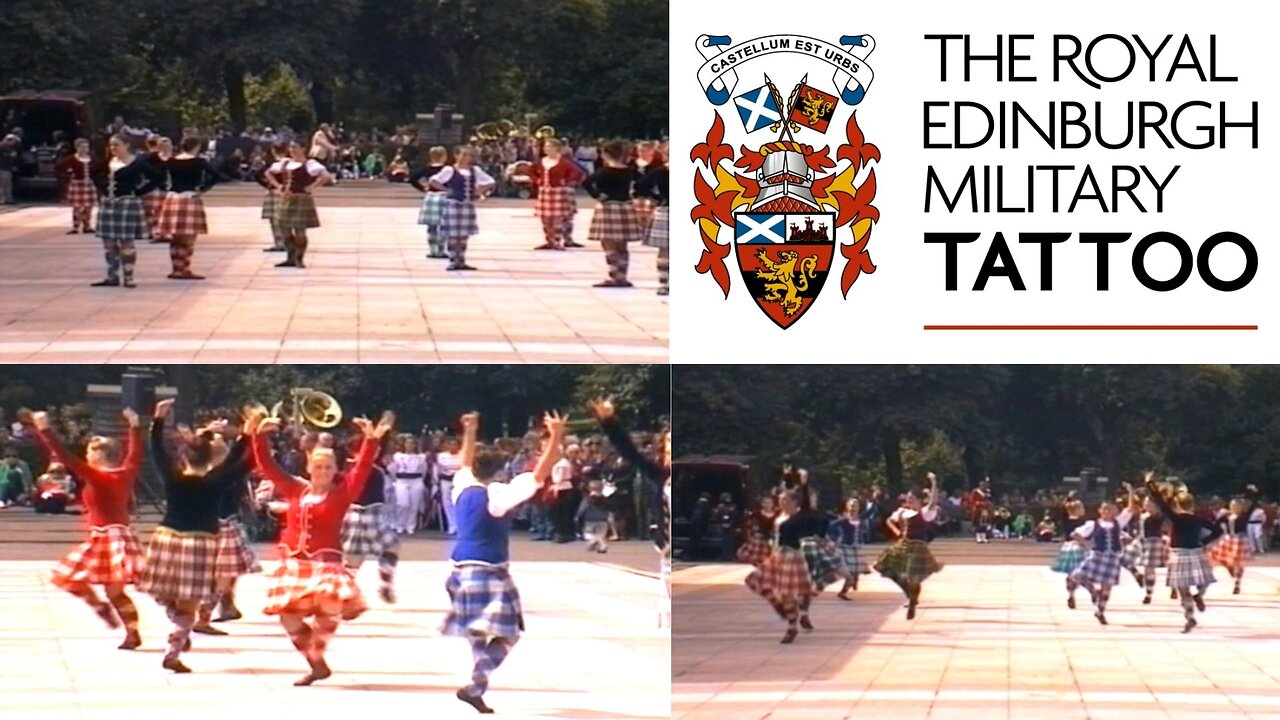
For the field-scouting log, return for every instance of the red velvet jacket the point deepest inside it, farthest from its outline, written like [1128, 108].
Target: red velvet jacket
[562, 174]
[70, 168]
[314, 527]
[106, 492]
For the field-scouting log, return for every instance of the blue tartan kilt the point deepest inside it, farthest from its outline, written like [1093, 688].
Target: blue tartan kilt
[660, 230]
[485, 603]
[122, 218]
[1189, 568]
[823, 560]
[368, 530]
[431, 209]
[851, 557]
[1099, 568]
[458, 219]
[1069, 558]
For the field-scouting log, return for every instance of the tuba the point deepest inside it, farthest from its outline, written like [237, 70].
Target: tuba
[309, 407]
[546, 132]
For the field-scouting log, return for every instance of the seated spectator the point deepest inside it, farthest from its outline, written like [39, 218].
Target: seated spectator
[54, 490]
[398, 170]
[15, 479]
[1047, 530]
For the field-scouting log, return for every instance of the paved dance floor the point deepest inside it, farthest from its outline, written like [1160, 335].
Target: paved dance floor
[592, 651]
[992, 640]
[369, 294]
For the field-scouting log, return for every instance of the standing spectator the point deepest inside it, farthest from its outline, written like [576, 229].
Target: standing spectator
[593, 513]
[563, 474]
[9, 149]
[324, 148]
[726, 519]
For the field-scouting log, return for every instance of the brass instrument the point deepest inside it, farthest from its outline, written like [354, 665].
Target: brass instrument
[306, 406]
[546, 132]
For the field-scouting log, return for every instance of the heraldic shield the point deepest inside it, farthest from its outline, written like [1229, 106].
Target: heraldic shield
[785, 258]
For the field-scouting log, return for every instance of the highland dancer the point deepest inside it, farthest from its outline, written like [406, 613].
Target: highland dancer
[279, 152]
[784, 579]
[1100, 570]
[647, 161]
[121, 219]
[557, 180]
[1150, 548]
[656, 185]
[463, 183]
[432, 200]
[182, 555]
[152, 202]
[76, 173]
[234, 557]
[182, 218]
[614, 224]
[1188, 563]
[909, 563]
[846, 533]
[111, 556]
[368, 530]
[1233, 550]
[485, 602]
[292, 179]
[312, 579]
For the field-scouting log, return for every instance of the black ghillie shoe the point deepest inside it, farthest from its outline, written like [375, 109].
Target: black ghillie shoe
[175, 665]
[1198, 599]
[475, 702]
[804, 622]
[1102, 618]
[1190, 624]
[790, 637]
[1071, 603]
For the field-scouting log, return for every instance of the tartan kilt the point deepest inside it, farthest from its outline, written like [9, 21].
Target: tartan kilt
[1189, 567]
[485, 603]
[297, 211]
[1231, 551]
[1099, 568]
[179, 565]
[367, 530]
[1070, 556]
[614, 222]
[851, 556]
[81, 194]
[823, 560]
[660, 230]
[555, 203]
[458, 219]
[784, 574]
[122, 218]
[908, 561]
[152, 202]
[110, 556]
[1152, 552]
[302, 586]
[755, 551]
[269, 207]
[432, 206]
[234, 557]
[182, 215]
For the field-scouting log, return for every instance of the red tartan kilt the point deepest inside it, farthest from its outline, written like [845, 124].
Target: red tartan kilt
[783, 574]
[755, 551]
[303, 586]
[81, 194]
[554, 203]
[1231, 551]
[152, 202]
[182, 216]
[614, 222]
[111, 556]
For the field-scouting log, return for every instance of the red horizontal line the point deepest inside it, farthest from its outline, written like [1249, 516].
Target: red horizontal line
[1090, 327]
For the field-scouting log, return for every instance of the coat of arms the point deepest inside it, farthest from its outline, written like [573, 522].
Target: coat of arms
[791, 205]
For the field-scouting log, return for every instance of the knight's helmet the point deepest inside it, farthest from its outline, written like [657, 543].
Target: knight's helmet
[786, 181]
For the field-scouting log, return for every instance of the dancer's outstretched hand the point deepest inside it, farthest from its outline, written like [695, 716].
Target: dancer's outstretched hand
[366, 427]
[131, 415]
[385, 424]
[603, 408]
[471, 420]
[40, 420]
[555, 423]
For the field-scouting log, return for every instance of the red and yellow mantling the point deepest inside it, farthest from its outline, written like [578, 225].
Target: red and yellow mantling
[734, 191]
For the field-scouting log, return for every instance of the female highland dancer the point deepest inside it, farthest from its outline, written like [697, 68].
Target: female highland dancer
[761, 523]
[784, 579]
[1233, 551]
[278, 152]
[368, 529]
[614, 224]
[846, 533]
[909, 563]
[485, 602]
[1100, 570]
[234, 557]
[409, 468]
[463, 183]
[432, 200]
[122, 182]
[312, 579]
[182, 555]
[76, 173]
[156, 156]
[1188, 563]
[1150, 548]
[182, 216]
[646, 161]
[655, 183]
[111, 556]
[656, 473]
[292, 180]
[557, 181]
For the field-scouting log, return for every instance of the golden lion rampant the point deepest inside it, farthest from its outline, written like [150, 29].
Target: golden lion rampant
[787, 278]
[814, 107]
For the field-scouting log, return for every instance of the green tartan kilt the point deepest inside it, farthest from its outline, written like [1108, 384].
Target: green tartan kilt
[908, 561]
[296, 212]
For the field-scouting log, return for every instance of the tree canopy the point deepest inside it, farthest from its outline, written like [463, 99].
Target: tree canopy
[1025, 426]
[588, 67]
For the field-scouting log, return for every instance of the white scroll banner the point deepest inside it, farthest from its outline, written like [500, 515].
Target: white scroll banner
[718, 75]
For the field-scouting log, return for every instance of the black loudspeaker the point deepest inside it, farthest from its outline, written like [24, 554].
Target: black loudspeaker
[138, 392]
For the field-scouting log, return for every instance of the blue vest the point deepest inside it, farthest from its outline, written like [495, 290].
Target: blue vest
[481, 536]
[1106, 540]
[461, 188]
